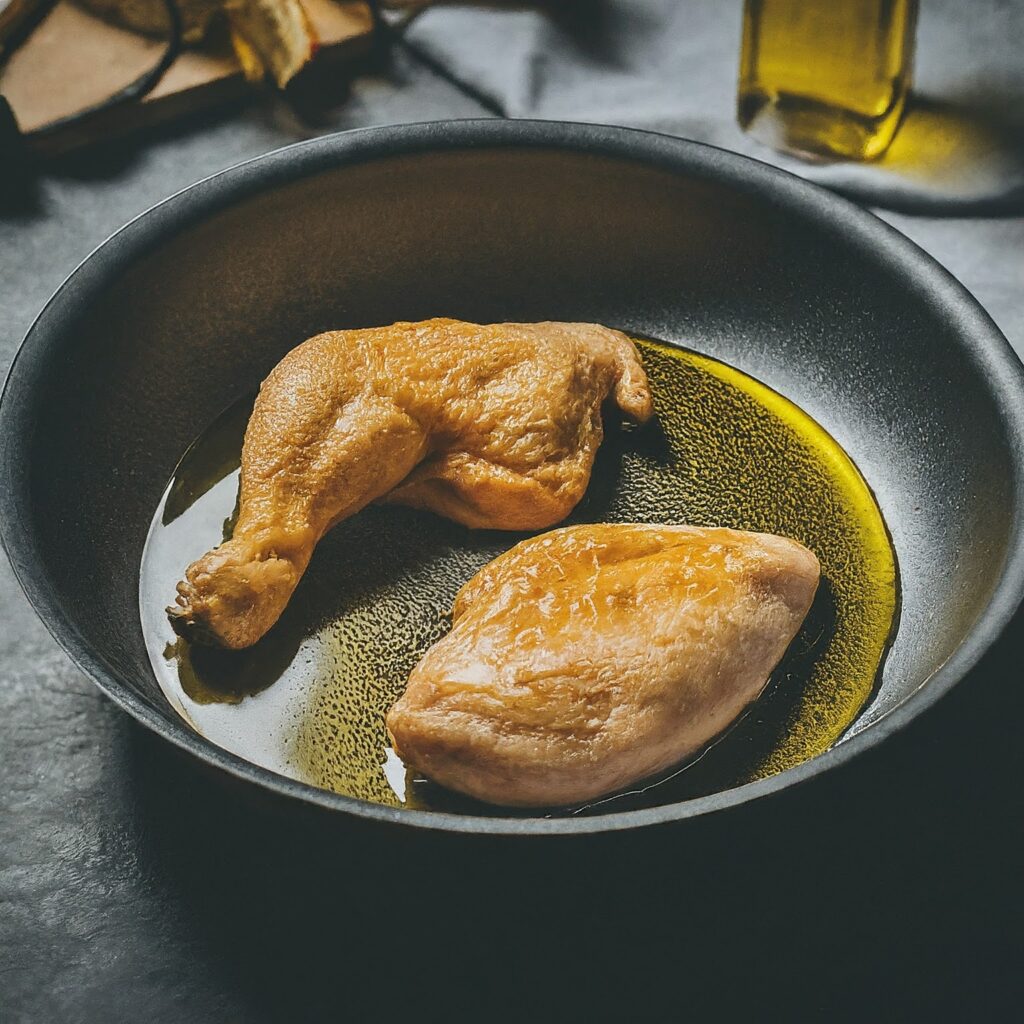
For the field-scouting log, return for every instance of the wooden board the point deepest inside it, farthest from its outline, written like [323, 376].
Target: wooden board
[73, 60]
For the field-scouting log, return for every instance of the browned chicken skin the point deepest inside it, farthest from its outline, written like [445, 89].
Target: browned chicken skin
[591, 657]
[490, 425]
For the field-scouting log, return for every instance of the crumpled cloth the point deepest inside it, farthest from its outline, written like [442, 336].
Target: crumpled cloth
[671, 66]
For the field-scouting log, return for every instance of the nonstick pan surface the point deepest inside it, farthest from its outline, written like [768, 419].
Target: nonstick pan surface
[185, 309]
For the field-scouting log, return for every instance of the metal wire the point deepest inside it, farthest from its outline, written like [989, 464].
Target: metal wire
[131, 93]
[394, 34]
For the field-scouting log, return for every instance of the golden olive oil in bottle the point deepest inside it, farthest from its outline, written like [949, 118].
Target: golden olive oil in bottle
[826, 78]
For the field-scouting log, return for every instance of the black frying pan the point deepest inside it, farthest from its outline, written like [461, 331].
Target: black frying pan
[188, 306]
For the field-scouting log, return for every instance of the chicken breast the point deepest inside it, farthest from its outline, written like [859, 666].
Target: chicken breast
[591, 657]
[492, 425]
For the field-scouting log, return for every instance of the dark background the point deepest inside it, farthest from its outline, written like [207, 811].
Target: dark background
[136, 886]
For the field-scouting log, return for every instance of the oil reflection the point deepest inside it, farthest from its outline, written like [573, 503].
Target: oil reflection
[953, 158]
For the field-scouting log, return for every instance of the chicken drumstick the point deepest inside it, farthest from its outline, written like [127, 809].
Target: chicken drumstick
[495, 426]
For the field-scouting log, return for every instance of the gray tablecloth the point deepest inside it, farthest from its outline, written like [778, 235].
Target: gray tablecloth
[673, 67]
[134, 887]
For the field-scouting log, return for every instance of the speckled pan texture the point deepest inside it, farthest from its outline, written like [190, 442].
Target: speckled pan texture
[186, 309]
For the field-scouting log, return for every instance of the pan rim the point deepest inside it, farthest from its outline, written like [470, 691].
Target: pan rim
[998, 363]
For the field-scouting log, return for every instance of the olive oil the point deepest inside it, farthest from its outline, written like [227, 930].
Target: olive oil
[309, 700]
[827, 79]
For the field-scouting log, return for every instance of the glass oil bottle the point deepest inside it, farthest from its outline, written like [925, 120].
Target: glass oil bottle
[826, 78]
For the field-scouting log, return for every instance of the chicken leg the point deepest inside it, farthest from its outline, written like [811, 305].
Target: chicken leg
[495, 426]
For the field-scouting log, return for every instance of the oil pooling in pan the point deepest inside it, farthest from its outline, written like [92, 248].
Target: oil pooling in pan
[308, 701]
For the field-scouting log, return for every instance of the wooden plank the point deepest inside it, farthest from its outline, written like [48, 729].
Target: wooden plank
[74, 60]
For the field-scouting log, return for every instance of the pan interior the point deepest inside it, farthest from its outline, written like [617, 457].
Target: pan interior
[308, 701]
[185, 311]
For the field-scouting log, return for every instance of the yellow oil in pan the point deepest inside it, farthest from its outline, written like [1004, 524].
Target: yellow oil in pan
[308, 701]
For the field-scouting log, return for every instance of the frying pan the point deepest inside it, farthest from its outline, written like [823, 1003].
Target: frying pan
[187, 307]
